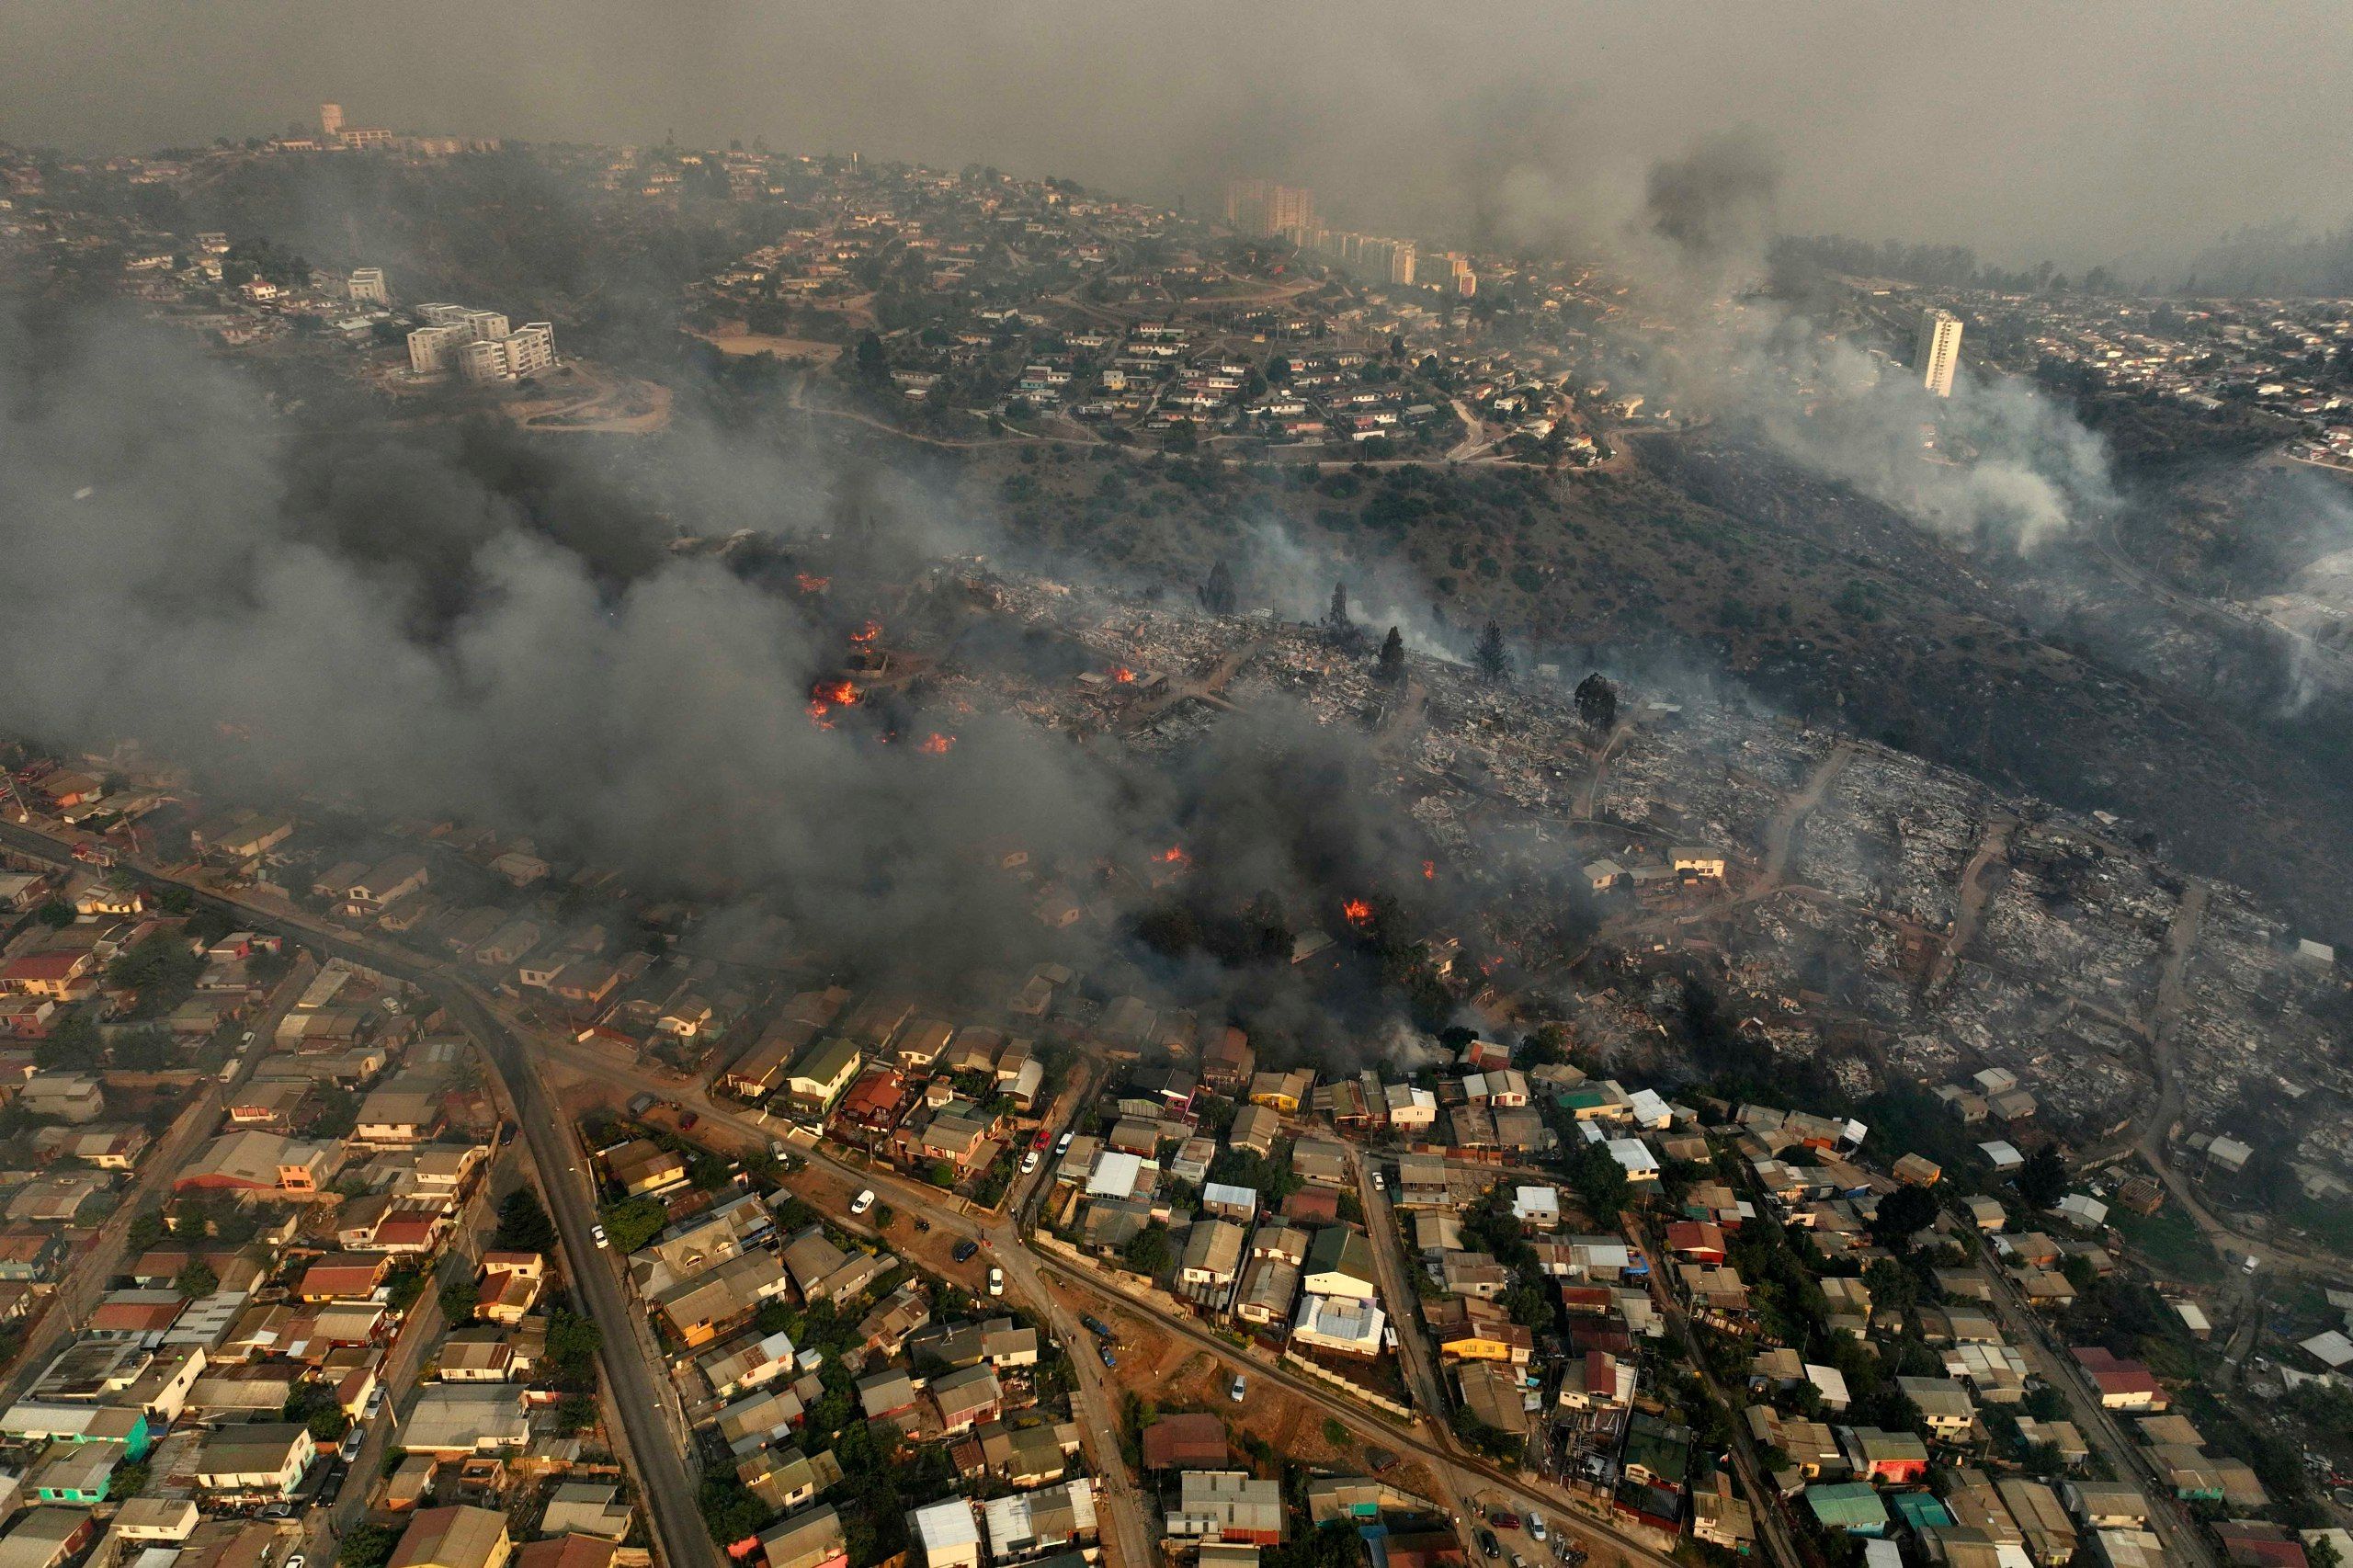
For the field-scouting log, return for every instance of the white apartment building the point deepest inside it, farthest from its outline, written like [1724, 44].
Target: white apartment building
[368, 287]
[1939, 355]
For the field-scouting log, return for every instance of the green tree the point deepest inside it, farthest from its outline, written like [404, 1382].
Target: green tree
[573, 1344]
[633, 1222]
[458, 1301]
[873, 361]
[1901, 1215]
[729, 1510]
[147, 1230]
[2042, 1180]
[367, 1546]
[1494, 663]
[56, 914]
[1597, 702]
[1391, 666]
[1149, 1252]
[195, 1279]
[523, 1223]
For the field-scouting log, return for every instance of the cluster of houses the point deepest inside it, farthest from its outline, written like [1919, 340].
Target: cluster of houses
[888, 1078]
[723, 1283]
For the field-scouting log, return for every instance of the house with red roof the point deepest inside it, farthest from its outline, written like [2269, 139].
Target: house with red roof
[1702, 1241]
[57, 974]
[2124, 1384]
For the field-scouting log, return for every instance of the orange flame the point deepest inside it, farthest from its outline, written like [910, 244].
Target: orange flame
[825, 698]
[1429, 871]
[808, 583]
[1172, 856]
[1123, 675]
[867, 632]
[1358, 912]
[936, 743]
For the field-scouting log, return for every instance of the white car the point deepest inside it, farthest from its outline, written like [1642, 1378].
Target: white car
[1062, 1145]
[603, 1241]
[996, 1281]
[863, 1201]
[1380, 1184]
[1029, 1162]
[1535, 1524]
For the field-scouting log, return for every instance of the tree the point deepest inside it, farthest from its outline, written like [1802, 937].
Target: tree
[873, 361]
[1217, 590]
[1149, 1252]
[1337, 620]
[1494, 665]
[1391, 665]
[56, 914]
[2042, 1180]
[573, 1344]
[1597, 702]
[523, 1223]
[367, 1546]
[1900, 1214]
[729, 1509]
[147, 1229]
[1600, 1182]
[196, 1279]
[633, 1222]
[459, 1297]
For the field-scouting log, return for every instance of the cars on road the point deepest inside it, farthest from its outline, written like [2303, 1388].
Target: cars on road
[1108, 1359]
[964, 1250]
[603, 1241]
[1488, 1545]
[1029, 1162]
[863, 1201]
[1535, 1524]
[996, 1281]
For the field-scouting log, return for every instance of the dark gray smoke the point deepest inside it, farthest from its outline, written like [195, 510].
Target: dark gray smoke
[345, 613]
[1716, 201]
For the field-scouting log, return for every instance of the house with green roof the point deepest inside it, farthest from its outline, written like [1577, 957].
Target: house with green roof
[1849, 1505]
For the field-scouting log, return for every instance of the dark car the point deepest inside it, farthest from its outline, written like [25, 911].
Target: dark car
[1108, 1359]
[687, 1122]
[1489, 1544]
[1097, 1326]
[965, 1249]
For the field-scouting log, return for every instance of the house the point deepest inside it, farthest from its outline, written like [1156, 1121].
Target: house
[967, 1398]
[1255, 1128]
[453, 1537]
[1851, 1507]
[811, 1538]
[586, 1509]
[1211, 1256]
[259, 1162]
[699, 1305]
[2123, 1384]
[47, 1535]
[787, 1478]
[642, 1167]
[1194, 1440]
[946, 1534]
[1898, 1459]
[1944, 1405]
[1226, 1506]
[1283, 1092]
[261, 1460]
[1350, 1324]
[1340, 1263]
[822, 1074]
[63, 1096]
[1028, 1524]
[454, 1420]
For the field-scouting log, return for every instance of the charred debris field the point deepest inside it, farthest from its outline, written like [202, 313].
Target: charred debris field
[1711, 563]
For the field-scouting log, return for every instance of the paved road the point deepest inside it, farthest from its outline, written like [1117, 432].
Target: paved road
[1764, 1501]
[2049, 1361]
[88, 1278]
[662, 1466]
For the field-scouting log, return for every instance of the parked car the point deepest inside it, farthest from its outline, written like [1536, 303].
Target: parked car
[687, 1122]
[1108, 1360]
[1029, 1162]
[1535, 1524]
[1239, 1388]
[375, 1402]
[1489, 1545]
[351, 1443]
[1040, 1141]
[996, 1281]
[922, 1226]
[965, 1250]
[863, 1201]
[603, 1241]
[1062, 1145]
[1095, 1326]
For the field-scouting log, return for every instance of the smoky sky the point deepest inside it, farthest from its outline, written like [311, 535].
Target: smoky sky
[2111, 132]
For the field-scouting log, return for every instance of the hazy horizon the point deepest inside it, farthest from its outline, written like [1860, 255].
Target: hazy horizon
[2076, 134]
